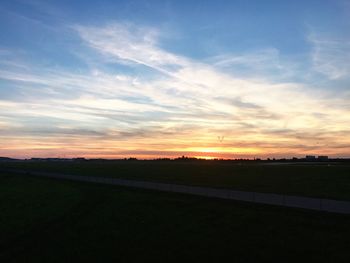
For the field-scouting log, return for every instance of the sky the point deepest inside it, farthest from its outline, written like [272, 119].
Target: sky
[150, 79]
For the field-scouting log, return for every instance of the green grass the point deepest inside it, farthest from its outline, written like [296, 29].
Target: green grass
[314, 180]
[46, 220]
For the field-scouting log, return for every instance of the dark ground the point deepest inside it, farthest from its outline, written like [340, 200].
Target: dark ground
[47, 220]
[325, 180]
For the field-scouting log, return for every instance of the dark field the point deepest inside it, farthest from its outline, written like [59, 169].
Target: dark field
[325, 180]
[46, 220]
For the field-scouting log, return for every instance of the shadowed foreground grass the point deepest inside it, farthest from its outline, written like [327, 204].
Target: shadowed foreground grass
[46, 220]
[314, 180]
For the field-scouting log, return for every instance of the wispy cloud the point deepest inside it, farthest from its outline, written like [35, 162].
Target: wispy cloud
[331, 55]
[131, 43]
[180, 106]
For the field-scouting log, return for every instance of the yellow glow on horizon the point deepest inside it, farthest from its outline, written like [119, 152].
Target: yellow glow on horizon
[142, 148]
[221, 150]
[206, 157]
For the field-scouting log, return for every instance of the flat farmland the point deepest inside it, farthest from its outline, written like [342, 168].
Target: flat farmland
[324, 180]
[47, 220]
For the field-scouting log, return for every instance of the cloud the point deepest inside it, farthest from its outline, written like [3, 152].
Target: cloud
[267, 63]
[131, 43]
[255, 59]
[331, 56]
[180, 105]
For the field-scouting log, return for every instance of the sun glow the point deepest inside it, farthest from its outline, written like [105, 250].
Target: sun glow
[222, 150]
[206, 157]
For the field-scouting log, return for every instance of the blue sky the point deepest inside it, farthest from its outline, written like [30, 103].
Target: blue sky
[166, 78]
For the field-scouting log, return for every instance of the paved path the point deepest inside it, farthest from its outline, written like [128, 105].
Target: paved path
[327, 205]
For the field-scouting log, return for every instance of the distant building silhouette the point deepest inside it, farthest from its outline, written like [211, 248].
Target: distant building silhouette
[310, 157]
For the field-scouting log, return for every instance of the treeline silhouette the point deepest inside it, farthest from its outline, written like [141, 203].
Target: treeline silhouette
[320, 159]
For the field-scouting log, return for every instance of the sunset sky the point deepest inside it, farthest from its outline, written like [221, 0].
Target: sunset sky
[147, 79]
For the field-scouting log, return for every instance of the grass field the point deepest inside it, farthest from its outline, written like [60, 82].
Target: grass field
[314, 180]
[46, 220]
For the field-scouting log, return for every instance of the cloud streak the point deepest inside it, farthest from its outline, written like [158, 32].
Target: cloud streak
[331, 56]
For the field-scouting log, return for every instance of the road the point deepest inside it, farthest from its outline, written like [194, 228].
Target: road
[326, 205]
